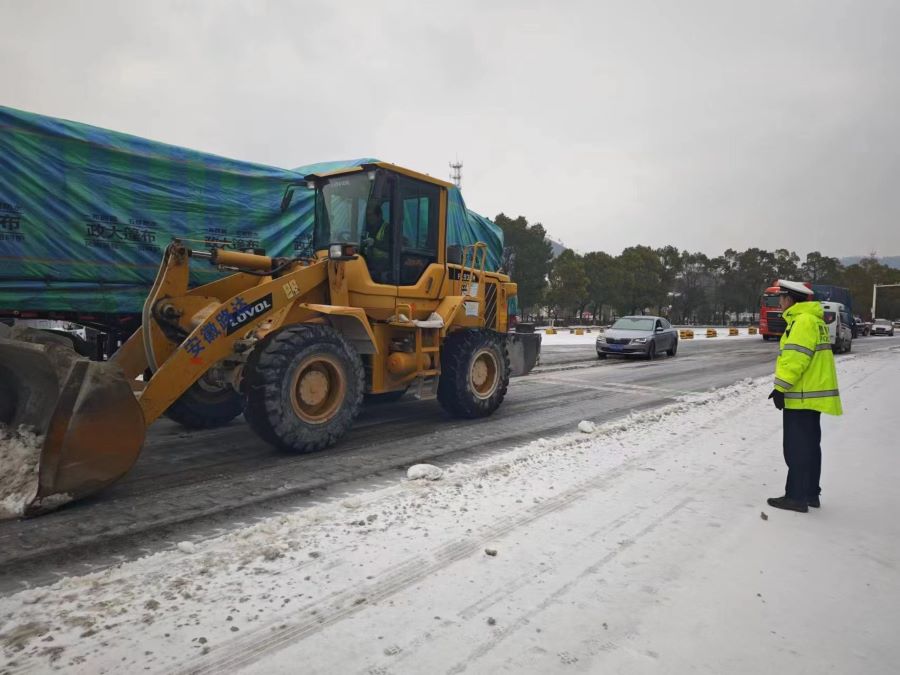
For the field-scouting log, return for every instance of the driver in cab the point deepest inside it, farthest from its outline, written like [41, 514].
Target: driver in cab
[377, 243]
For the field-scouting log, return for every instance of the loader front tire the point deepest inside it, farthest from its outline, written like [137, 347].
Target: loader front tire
[303, 387]
[474, 373]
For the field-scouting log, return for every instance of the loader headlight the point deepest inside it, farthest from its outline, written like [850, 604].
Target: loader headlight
[334, 251]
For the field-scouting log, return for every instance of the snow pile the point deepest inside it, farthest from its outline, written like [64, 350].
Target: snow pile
[426, 471]
[20, 453]
[587, 427]
[187, 547]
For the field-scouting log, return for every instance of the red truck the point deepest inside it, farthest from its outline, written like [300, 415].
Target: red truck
[771, 325]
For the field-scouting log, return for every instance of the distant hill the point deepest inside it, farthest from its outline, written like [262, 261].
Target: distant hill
[889, 260]
[557, 247]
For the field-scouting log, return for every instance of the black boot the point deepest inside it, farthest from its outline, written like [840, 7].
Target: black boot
[788, 504]
[814, 502]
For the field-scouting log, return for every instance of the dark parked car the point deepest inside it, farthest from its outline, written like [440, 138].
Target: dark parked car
[644, 336]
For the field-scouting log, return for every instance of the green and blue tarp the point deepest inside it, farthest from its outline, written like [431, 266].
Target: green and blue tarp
[85, 213]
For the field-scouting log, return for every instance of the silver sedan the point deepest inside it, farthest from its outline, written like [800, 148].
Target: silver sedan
[645, 336]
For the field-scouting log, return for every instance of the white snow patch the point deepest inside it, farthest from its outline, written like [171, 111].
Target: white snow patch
[20, 453]
[426, 471]
[351, 503]
[187, 547]
[52, 502]
[587, 427]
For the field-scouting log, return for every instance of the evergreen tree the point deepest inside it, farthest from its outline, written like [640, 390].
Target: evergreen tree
[533, 256]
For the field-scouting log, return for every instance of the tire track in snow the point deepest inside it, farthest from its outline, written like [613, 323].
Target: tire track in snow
[342, 604]
[525, 618]
[630, 517]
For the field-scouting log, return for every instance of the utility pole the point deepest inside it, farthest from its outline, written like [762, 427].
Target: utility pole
[456, 173]
[875, 288]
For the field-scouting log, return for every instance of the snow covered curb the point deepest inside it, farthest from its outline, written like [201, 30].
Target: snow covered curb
[564, 337]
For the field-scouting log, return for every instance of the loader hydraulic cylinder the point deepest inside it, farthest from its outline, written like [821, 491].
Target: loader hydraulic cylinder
[237, 259]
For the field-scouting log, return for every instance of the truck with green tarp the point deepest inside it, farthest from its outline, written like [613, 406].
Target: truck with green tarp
[86, 213]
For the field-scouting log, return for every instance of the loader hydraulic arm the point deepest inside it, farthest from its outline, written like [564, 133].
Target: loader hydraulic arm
[187, 332]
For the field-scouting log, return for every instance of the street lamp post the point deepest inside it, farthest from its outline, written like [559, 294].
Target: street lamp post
[875, 288]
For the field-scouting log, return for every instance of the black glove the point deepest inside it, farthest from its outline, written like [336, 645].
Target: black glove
[777, 398]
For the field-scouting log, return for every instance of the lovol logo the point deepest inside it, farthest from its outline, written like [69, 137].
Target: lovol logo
[250, 312]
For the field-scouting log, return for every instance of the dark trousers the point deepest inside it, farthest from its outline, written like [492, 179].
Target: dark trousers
[802, 453]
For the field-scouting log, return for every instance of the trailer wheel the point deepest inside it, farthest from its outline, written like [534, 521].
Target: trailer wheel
[303, 387]
[474, 373]
[206, 405]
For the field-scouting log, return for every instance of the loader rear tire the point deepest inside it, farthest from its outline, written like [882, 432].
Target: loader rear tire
[303, 387]
[474, 373]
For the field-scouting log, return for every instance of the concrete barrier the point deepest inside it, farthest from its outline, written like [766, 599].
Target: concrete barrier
[579, 331]
[711, 333]
[550, 331]
[752, 330]
[732, 332]
[685, 334]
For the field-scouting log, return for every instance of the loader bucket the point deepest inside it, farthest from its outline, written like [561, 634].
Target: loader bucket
[90, 422]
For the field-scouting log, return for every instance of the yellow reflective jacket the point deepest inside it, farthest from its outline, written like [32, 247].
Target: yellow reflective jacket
[805, 369]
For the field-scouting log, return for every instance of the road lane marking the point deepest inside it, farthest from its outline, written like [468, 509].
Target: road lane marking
[611, 387]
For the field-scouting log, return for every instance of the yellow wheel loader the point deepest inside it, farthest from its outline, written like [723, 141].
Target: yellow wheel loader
[384, 305]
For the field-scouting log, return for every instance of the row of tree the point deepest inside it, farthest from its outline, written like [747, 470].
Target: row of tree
[685, 286]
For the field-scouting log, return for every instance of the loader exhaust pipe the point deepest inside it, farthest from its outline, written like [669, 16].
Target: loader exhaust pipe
[89, 425]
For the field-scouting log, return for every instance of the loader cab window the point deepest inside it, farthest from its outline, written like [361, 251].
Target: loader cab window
[340, 210]
[419, 205]
[392, 218]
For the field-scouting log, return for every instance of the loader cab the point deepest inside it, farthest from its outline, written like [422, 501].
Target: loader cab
[393, 218]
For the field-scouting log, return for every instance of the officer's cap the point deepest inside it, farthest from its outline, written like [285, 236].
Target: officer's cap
[794, 289]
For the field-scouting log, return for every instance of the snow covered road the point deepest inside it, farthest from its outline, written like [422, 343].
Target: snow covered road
[637, 547]
[194, 482]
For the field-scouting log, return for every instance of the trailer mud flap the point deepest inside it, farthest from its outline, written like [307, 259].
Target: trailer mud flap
[524, 350]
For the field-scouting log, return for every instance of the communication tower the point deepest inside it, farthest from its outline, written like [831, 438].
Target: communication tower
[456, 173]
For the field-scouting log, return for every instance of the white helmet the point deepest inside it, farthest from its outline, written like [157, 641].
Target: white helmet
[794, 288]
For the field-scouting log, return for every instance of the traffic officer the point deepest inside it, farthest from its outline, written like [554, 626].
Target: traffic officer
[805, 387]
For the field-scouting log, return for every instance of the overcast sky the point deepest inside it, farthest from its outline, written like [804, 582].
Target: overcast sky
[705, 125]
